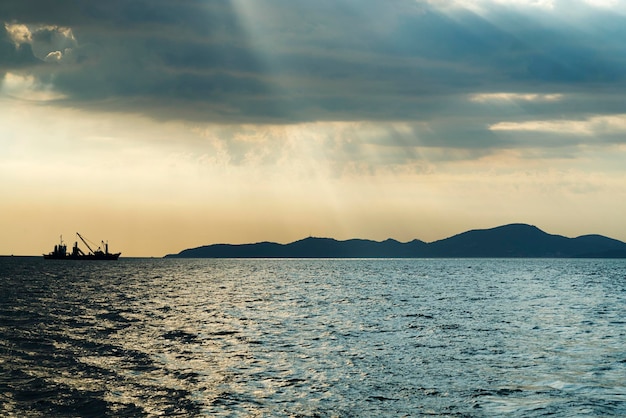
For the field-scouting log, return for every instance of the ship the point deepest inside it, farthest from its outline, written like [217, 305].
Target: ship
[60, 252]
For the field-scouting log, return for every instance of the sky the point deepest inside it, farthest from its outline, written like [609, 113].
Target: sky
[160, 125]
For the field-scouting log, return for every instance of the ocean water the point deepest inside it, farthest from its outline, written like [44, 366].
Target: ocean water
[313, 338]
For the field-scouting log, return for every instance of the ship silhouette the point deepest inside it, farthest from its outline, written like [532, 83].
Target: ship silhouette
[60, 252]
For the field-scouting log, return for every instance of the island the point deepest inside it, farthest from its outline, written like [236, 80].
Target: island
[507, 241]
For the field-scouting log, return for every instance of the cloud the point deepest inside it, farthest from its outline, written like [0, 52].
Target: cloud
[19, 34]
[485, 5]
[529, 5]
[524, 97]
[593, 126]
[453, 76]
[43, 40]
[15, 52]
[27, 87]
[610, 4]
[54, 56]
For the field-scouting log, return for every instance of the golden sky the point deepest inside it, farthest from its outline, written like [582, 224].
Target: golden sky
[165, 127]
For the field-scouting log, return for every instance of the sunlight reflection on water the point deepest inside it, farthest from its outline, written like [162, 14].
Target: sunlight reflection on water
[313, 337]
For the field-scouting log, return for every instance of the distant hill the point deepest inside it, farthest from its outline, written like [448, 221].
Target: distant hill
[514, 240]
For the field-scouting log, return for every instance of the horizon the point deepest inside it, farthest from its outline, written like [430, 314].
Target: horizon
[162, 126]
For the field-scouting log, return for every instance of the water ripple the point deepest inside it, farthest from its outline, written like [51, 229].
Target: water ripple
[313, 338]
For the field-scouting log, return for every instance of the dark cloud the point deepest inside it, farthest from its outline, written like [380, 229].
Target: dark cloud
[298, 60]
[14, 56]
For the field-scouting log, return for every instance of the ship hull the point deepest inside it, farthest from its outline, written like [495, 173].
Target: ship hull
[82, 257]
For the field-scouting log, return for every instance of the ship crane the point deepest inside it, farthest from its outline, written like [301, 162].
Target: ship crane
[85, 242]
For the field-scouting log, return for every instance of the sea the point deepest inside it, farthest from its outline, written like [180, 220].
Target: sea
[312, 338]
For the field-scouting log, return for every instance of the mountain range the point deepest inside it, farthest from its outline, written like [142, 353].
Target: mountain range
[514, 240]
